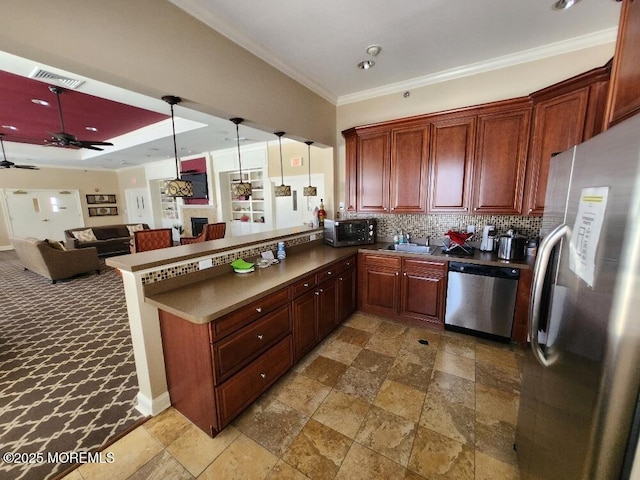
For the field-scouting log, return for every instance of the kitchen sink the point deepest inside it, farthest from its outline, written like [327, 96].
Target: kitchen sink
[410, 248]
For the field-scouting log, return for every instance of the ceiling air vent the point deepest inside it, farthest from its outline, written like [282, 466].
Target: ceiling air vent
[50, 77]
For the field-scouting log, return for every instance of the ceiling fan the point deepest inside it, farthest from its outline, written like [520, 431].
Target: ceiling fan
[64, 139]
[7, 164]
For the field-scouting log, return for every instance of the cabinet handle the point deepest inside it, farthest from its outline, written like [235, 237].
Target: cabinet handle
[397, 273]
[530, 210]
[305, 284]
[475, 209]
[259, 309]
[340, 278]
[263, 375]
[348, 264]
[405, 274]
[329, 272]
[260, 337]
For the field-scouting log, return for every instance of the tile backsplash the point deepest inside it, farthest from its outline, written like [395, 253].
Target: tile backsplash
[435, 226]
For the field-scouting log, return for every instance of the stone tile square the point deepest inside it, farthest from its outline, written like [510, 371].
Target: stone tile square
[363, 321]
[272, 424]
[497, 404]
[388, 434]
[454, 389]
[302, 393]
[284, 471]
[408, 373]
[318, 451]
[162, 466]
[502, 378]
[243, 459]
[499, 355]
[373, 362]
[455, 365]
[450, 419]
[131, 452]
[167, 426]
[437, 457]
[424, 355]
[325, 370]
[496, 438]
[400, 399]
[360, 383]
[340, 351]
[194, 449]
[458, 348]
[364, 464]
[353, 336]
[342, 412]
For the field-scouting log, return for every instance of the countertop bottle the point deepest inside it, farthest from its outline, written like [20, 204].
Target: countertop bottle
[321, 214]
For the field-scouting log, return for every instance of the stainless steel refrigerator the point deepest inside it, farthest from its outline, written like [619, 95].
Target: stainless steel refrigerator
[579, 411]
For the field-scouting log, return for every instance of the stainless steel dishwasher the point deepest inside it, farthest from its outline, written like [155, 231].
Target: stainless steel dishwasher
[481, 298]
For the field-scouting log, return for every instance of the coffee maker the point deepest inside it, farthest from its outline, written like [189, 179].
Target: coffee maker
[488, 243]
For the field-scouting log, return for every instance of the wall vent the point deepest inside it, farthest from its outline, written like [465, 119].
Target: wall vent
[50, 77]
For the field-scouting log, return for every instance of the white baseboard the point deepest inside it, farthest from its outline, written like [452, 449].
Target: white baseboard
[152, 407]
[6, 247]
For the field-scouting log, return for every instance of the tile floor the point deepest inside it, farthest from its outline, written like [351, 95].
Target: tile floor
[370, 402]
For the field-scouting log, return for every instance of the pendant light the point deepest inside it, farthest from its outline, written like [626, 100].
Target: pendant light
[242, 189]
[309, 191]
[281, 190]
[176, 187]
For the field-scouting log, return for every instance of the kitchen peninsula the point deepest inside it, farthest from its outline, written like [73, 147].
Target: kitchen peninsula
[163, 273]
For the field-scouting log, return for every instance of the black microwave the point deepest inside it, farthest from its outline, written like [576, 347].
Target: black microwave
[355, 231]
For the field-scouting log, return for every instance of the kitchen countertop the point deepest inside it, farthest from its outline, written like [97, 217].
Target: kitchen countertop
[209, 299]
[478, 257]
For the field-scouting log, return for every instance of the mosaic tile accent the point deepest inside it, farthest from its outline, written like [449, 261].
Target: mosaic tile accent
[221, 259]
[435, 226]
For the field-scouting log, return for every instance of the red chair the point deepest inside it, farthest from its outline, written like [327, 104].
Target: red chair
[211, 231]
[151, 239]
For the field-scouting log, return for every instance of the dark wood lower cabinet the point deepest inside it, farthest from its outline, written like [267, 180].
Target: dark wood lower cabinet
[405, 288]
[215, 370]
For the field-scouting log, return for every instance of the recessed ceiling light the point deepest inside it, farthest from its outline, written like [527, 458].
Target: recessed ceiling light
[366, 65]
[374, 50]
[37, 101]
[10, 127]
[564, 4]
[91, 129]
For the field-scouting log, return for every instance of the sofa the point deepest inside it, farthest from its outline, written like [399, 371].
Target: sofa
[107, 239]
[51, 260]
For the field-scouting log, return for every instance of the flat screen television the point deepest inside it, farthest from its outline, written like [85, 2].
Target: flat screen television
[199, 181]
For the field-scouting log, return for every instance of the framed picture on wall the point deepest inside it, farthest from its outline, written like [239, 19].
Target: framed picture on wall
[93, 199]
[103, 211]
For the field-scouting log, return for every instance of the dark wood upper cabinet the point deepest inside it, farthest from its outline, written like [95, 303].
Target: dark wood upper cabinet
[351, 172]
[373, 166]
[409, 170]
[564, 115]
[624, 92]
[500, 159]
[451, 162]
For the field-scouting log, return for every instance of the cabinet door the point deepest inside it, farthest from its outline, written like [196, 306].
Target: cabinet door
[624, 94]
[381, 289]
[346, 294]
[423, 290]
[409, 170]
[327, 296]
[305, 326]
[451, 157]
[351, 172]
[373, 172]
[558, 124]
[500, 161]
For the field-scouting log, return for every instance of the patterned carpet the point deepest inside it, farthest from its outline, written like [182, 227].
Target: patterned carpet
[67, 375]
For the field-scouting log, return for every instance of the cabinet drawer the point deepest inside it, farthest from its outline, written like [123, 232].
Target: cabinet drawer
[304, 285]
[328, 272]
[346, 264]
[232, 353]
[244, 387]
[414, 264]
[389, 261]
[243, 316]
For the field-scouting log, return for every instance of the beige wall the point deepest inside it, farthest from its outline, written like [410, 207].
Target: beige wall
[86, 181]
[321, 163]
[154, 48]
[515, 81]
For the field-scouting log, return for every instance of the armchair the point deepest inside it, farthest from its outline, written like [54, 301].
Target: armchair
[151, 239]
[211, 231]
